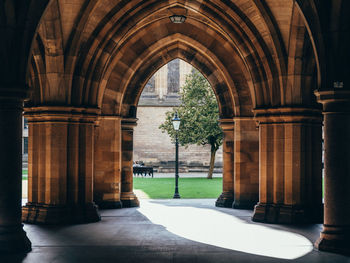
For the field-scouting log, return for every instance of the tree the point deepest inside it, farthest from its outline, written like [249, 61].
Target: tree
[199, 113]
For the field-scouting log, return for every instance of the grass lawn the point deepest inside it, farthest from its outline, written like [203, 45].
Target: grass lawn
[163, 188]
[24, 174]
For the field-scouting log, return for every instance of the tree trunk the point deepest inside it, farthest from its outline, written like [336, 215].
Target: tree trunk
[212, 161]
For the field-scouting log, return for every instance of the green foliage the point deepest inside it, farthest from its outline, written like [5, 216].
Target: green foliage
[163, 188]
[199, 113]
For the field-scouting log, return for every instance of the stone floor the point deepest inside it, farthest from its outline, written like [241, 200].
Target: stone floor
[185, 230]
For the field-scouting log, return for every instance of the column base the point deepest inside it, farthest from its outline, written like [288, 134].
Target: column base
[129, 199]
[50, 214]
[13, 239]
[334, 239]
[249, 205]
[285, 214]
[225, 200]
[110, 204]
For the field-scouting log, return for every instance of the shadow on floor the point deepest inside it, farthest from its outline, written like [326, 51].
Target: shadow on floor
[173, 231]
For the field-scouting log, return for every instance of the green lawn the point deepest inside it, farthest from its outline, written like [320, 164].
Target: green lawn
[24, 174]
[163, 188]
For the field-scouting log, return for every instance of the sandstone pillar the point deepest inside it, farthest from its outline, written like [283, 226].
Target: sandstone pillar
[12, 236]
[290, 170]
[127, 195]
[60, 166]
[107, 180]
[335, 236]
[246, 163]
[226, 198]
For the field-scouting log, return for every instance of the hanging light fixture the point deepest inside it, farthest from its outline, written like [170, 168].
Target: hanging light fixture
[177, 19]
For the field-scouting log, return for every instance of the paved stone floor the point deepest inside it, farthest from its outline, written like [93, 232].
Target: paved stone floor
[185, 230]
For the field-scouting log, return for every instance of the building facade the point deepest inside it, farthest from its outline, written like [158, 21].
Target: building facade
[151, 145]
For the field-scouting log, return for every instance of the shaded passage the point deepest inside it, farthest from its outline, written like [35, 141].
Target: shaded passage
[185, 230]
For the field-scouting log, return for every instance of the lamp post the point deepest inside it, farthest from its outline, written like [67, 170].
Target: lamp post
[176, 124]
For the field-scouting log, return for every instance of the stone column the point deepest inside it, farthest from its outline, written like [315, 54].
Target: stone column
[60, 158]
[127, 195]
[246, 163]
[290, 170]
[107, 180]
[12, 236]
[335, 236]
[226, 198]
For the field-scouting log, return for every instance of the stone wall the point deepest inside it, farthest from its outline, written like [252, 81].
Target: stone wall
[155, 148]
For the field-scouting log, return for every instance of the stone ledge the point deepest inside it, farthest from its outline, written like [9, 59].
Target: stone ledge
[109, 204]
[130, 203]
[341, 246]
[129, 199]
[284, 214]
[13, 239]
[249, 205]
[50, 214]
[225, 200]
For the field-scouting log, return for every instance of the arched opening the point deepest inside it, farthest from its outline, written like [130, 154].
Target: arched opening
[217, 76]
[154, 148]
[105, 78]
[87, 73]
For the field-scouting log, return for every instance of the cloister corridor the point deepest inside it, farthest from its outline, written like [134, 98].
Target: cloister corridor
[191, 230]
[76, 69]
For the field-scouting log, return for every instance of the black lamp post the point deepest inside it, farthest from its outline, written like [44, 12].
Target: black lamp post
[176, 124]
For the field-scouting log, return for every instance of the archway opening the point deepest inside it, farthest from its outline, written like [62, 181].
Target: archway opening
[200, 136]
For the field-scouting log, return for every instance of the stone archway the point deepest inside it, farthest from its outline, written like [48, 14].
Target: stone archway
[84, 62]
[175, 49]
[109, 70]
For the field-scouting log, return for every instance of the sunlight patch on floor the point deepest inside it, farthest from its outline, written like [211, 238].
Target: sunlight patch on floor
[141, 194]
[226, 231]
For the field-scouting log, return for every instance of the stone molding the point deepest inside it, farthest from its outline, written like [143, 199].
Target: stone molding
[14, 92]
[61, 114]
[225, 199]
[129, 123]
[227, 124]
[334, 101]
[287, 115]
[110, 117]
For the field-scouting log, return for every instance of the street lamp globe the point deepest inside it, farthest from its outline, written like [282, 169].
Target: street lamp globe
[176, 122]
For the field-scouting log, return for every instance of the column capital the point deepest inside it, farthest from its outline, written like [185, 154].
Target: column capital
[287, 115]
[129, 123]
[61, 114]
[107, 118]
[243, 118]
[227, 124]
[334, 100]
[15, 91]
[110, 117]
